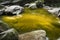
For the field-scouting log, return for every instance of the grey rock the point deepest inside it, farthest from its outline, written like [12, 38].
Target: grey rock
[9, 2]
[1, 12]
[47, 38]
[14, 1]
[5, 3]
[32, 6]
[7, 33]
[34, 35]
[3, 26]
[55, 11]
[14, 9]
[58, 38]
[27, 5]
[47, 7]
[10, 34]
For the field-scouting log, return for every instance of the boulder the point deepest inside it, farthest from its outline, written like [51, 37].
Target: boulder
[14, 9]
[34, 35]
[7, 33]
[10, 34]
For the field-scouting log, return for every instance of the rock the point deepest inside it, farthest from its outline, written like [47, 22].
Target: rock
[47, 38]
[48, 7]
[34, 35]
[26, 5]
[14, 1]
[10, 34]
[9, 2]
[32, 6]
[14, 9]
[5, 2]
[7, 33]
[3, 26]
[58, 38]
[55, 11]
[1, 12]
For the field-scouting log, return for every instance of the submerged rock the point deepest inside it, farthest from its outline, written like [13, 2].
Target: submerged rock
[34, 35]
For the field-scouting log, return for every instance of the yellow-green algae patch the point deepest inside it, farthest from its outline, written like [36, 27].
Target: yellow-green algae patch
[35, 20]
